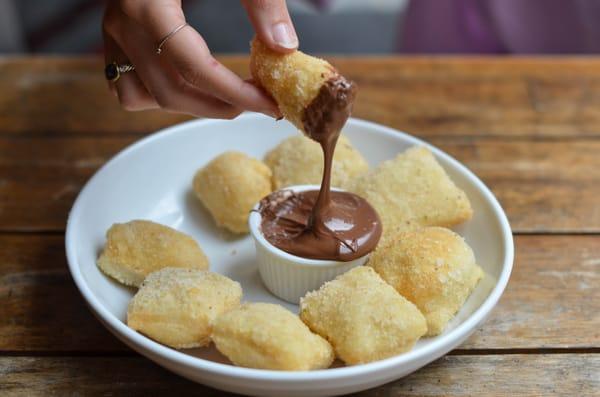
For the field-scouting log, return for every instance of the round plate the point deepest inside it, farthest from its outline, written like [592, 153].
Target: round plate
[152, 178]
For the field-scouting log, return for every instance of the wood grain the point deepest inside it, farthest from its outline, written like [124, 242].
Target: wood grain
[522, 375]
[41, 307]
[552, 300]
[544, 186]
[435, 96]
[529, 127]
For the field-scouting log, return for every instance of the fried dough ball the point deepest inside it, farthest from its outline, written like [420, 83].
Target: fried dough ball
[293, 79]
[137, 248]
[432, 267]
[267, 336]
[298, 160]
[176, 306]
[363, 318]
[413, 189]
[229, 186]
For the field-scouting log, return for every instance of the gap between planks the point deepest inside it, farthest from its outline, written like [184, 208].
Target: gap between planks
[456, 352]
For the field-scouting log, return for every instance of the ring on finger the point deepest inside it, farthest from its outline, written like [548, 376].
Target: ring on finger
[113, 70]
[168, 36]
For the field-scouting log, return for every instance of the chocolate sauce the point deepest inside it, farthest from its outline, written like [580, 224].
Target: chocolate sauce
[351, 227]
[323, 224]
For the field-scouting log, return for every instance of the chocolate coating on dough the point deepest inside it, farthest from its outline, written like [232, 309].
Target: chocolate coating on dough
[327, 113]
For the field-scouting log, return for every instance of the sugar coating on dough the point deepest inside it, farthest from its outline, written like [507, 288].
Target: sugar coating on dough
[363, 318]
[229, 186]
[137, 248]
[293, 79]
[267, 336]
[177, 307]
[298, 160]
[433, 267]
[413, 189]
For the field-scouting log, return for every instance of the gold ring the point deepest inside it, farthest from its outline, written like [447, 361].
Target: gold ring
[168, 36]
[113, 70]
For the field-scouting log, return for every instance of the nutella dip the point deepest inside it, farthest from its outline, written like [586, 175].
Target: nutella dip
[322, 224]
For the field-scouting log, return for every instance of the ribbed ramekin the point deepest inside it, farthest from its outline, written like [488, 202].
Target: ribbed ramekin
[288, 276]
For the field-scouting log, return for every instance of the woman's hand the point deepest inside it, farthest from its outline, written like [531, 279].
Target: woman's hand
[185, 78]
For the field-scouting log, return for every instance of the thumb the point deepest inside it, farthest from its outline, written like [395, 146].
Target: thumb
[272, 24]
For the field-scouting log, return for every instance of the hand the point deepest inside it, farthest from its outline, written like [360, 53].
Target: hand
[185, 78]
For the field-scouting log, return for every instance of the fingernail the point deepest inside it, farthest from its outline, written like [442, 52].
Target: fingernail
[284, 36]
[273, 113]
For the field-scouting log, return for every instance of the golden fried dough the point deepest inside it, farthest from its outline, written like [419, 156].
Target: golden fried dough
[293, 79]
[263, 335]
[413, 189]
[298, 160]
[137, 248]
[229, 187]
[176, 306]
[432, 267]
[364, 318]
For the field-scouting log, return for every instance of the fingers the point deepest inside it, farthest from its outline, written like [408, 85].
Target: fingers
[166, 88]
[190, 56]
[272, 24]
[165, 85]
[130, 90]
[157, 17]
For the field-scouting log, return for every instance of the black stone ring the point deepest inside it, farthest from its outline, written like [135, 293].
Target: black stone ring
[113, 70]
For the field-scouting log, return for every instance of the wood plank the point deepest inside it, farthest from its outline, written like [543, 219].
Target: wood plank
[552, 300]
[40, 178]
[426, 96]
[558, 374]
[41, 307]
[544, 186]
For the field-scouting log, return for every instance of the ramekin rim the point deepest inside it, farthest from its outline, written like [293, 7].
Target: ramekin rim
[254, 221]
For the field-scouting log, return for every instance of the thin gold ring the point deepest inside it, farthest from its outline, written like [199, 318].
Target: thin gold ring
[168, 36]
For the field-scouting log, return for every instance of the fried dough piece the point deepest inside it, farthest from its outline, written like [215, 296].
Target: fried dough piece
[176, 306]
[363, 318]
[413, 189]
[267, 336]
[137, 248]
[230, 185]
[432, 267]
[298, 160]
[294, 80]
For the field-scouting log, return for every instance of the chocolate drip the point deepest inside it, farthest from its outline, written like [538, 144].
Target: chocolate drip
[323, 224]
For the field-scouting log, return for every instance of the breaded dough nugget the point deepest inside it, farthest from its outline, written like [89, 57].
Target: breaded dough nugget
[432, 267]
[293, 80]
[267, 336]
[413, 189]
[298, 160]
[176, 306]
[364, 318]
[137, 248]
[229, 186]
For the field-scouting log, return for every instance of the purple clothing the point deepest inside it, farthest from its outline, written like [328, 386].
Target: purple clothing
[502, 26]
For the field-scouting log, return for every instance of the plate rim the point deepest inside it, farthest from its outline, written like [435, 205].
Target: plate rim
[424, 355]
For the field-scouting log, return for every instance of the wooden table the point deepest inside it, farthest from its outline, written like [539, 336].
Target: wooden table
[529, 127]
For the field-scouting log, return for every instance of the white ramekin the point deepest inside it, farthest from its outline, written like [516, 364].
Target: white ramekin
[288, 276]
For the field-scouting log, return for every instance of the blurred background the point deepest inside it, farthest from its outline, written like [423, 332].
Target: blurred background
[333, 26]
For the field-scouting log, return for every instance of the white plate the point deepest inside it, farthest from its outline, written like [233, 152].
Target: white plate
[151, 179]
